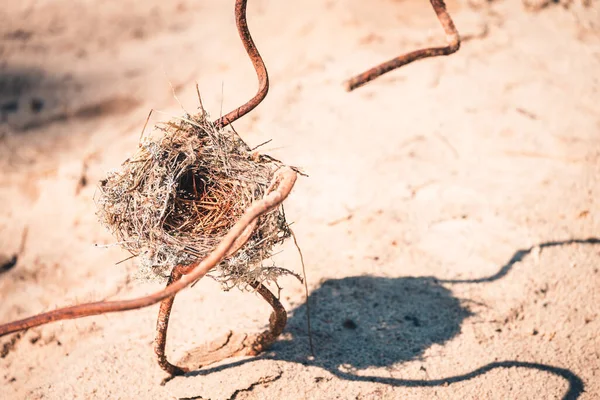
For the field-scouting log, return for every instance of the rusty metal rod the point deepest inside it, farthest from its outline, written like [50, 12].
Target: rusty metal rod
[452, 38]
[257, 62]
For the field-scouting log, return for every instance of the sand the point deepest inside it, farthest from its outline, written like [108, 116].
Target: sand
[449, 223]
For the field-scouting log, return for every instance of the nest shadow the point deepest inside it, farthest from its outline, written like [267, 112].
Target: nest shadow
[366, 321]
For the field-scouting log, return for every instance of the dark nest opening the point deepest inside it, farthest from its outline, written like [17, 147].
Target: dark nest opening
[172, 202]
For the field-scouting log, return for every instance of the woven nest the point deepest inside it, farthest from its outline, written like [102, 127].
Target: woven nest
[186, 186]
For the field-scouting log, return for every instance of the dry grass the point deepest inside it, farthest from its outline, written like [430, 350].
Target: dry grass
[180, 193]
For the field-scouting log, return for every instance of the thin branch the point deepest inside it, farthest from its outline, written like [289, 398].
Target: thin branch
[452, 38]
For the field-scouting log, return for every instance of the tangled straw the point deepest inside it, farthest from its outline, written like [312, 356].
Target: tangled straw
[175, 199]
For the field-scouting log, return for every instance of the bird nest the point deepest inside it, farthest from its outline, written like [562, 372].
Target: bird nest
[173, 201]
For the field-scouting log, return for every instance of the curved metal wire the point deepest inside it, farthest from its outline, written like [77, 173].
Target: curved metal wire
[257, 62]
[452, 37]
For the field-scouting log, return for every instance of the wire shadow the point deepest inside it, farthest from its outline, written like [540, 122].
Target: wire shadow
[518, 256]
[576, 386]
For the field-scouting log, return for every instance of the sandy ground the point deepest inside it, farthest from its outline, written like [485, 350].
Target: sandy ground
[450, 220]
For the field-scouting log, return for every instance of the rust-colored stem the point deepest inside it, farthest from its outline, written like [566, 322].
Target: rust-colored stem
[162, 325]
[277, 321]
[452, 37]
[257, 62]
[282, 184]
